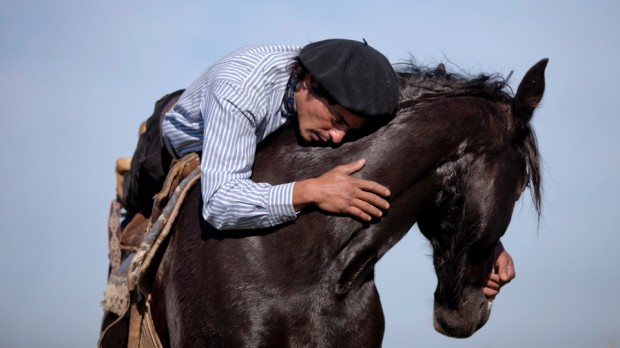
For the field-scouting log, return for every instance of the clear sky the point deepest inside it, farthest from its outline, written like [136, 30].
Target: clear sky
[78, 77]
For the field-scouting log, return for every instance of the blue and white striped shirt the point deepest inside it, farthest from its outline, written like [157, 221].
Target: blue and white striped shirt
[225, 113]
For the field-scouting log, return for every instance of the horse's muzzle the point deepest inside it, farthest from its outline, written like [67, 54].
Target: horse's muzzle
[463, 321]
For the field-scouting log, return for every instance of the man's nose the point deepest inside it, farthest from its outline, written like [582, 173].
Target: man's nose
[337, 135]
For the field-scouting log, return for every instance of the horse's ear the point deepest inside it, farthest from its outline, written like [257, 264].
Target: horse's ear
[530, 91]
[441, 70]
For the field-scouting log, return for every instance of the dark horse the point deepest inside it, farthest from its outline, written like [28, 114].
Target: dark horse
[456, 157]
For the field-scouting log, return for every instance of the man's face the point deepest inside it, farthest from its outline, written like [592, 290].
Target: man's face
[321, 122]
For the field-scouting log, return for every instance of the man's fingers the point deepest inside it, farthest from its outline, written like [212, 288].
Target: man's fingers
[352, 167]
[358, 213]
[493, 282]
[372, 186]
[366, 185]
[367, 208]
[505, 267]
[509, 273]
[490, 293]
[491, 288]
[373, 199]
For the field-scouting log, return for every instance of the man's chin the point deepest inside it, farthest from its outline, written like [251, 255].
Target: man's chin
[303, 138]
[309, 137]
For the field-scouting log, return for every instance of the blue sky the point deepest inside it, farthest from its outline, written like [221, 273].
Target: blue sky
[77, 78]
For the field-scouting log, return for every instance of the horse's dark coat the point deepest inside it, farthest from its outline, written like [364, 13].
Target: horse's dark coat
[456, 158]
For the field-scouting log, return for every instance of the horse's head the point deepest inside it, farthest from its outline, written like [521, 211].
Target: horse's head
[478, 187]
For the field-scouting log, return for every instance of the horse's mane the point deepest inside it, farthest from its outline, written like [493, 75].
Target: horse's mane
[419, 83]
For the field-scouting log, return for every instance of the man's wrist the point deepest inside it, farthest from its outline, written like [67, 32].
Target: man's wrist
[302, 194]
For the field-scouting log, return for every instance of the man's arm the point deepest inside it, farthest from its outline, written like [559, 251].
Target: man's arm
[231, 199]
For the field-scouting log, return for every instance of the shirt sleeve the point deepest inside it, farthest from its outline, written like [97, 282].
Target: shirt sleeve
[231, 199]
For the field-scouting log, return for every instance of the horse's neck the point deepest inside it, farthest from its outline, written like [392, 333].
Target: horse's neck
[402, 155]
[405, 156]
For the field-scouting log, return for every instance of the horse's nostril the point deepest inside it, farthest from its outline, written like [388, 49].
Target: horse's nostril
[485, 306]
[485, 309]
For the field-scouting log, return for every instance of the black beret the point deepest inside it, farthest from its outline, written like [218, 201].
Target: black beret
[357, 76]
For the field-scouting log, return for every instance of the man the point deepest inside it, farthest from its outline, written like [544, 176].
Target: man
[238, 102]
[330, 87]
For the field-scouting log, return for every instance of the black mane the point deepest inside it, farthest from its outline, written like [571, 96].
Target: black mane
[418, 82]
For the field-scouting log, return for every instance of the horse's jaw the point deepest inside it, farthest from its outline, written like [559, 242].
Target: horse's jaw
[465, 320]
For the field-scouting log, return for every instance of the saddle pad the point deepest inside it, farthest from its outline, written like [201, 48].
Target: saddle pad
[156, 234]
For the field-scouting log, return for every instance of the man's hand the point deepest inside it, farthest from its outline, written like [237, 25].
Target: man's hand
[503, 272]
[338, 192]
